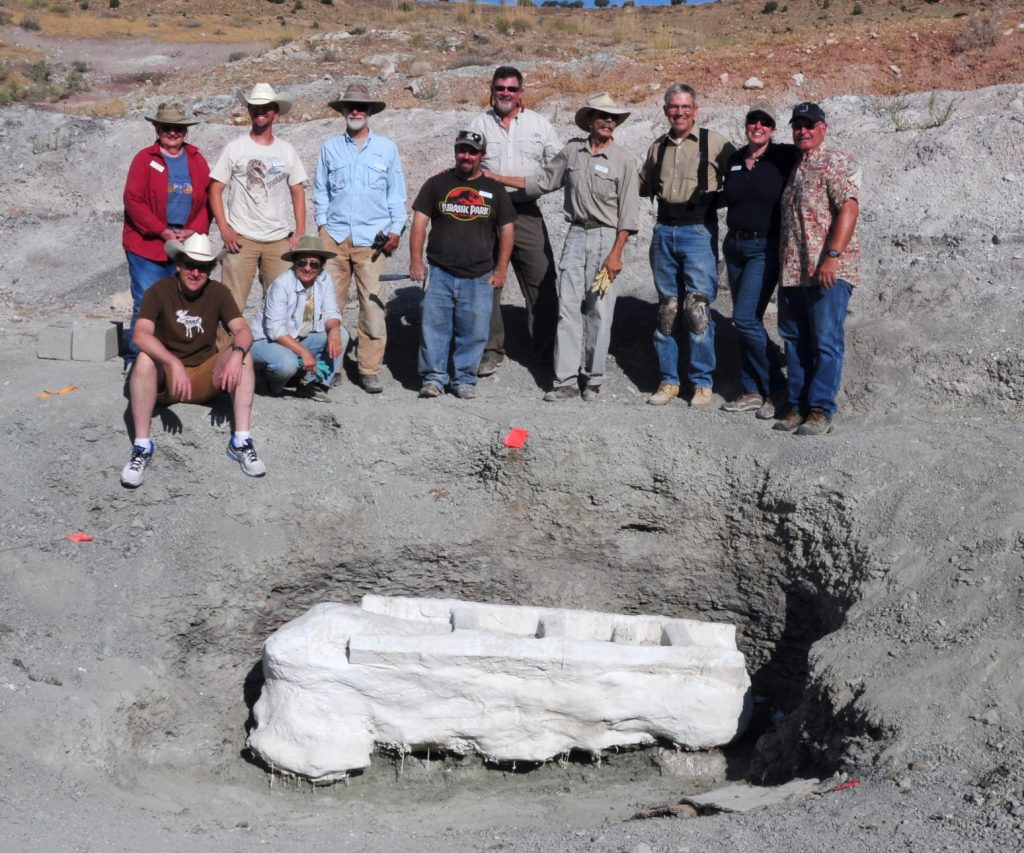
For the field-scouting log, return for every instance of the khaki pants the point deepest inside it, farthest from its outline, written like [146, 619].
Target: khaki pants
[240, 269]
[372, 327]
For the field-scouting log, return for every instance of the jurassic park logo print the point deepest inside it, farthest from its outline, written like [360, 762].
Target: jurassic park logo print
[465, 204]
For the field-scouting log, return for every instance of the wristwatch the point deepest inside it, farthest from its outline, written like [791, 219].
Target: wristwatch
[832, 253]
[242, 350]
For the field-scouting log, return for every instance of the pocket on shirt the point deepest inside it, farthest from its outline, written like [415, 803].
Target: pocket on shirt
[339, 178]
[376, 179]
[606, 188]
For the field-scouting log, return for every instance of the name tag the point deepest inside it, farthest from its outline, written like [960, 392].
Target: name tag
[380, 167]
[154, 165]
[736, 168]
[602, 169]
[486, 194]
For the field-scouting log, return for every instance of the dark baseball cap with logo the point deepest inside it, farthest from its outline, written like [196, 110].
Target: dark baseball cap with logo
[471, 139]
[808, 111]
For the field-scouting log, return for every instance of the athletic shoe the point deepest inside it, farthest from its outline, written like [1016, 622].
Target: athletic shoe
[744, 403]
[246, 457]
[817, 423]
[371, 383]
[429, 391]
[134, 472]
[789, 421]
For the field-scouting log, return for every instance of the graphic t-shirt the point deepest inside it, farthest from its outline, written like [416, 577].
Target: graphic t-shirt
[258, 180]
[465, 218]
[188, 327]
[179, 190]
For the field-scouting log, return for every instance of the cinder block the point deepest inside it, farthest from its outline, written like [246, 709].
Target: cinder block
[55, 342]
[94, 341]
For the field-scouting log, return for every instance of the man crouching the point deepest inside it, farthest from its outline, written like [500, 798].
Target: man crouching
[178, 361]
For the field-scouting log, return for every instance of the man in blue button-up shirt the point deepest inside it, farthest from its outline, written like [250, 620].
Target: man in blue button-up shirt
[359, 191]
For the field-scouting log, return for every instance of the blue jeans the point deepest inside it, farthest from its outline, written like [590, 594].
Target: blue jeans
[811, 323]
[753, 267]
[458, 308]
[281, 364]
[144, 273]
[683, 261]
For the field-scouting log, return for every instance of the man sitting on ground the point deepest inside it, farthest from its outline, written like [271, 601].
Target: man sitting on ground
[178, 360]
[298, 334]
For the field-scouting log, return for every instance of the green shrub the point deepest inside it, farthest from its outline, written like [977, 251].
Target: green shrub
[114, 4]
[769, 7]
[30, 23]
[235, 55]
[857, 9]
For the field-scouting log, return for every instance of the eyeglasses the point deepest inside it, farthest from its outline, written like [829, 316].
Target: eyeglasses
[177, 129]
[256, 109]
[309, 263]
[187, 263]
[513, 89]
[684, 108]
[357, 108]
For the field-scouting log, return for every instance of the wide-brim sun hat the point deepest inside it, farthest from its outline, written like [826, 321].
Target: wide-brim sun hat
[197, 248]
[602, 103]
[263, 93]
[309, 245]
[168, 113]
[357, 93]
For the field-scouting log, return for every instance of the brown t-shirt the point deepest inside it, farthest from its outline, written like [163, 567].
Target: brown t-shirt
[188, 327]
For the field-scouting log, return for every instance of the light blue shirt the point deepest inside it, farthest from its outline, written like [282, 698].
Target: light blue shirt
[285, 304]
[359, 191]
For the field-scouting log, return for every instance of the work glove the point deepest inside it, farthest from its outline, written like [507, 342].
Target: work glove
[602, 283]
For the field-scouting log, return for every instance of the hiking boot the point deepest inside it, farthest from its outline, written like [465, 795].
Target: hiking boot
[789, 421]
[702, 398]
[560, 393]
[663, 395]
[695, 310]
[773, 404]
[591, 393]
[429, 391]
[134, 472]
[246, 457]
[744, 403]
[817, 423]
[465, 392]
[371, 383]
[489, 364]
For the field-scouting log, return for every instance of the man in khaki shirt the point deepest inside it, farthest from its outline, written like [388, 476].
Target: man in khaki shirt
[602, 205]
[683, 171]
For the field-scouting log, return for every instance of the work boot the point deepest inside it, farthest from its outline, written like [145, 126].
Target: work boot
[773, 404]
[591, 393]
[560, 393]
[465, 392]
[429, 391]
[665, 394]
[702, 398]
[489, 364]
[817, 423]
[789, 421]
[371, 383]
[744, 403]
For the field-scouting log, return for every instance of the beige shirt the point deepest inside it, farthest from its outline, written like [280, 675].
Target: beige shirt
[679, 169]
[523, 149]
[599, 188]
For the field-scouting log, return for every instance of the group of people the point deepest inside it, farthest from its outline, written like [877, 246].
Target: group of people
[791, 216]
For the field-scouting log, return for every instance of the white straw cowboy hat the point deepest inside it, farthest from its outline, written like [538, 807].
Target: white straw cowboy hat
[263, 93]
[171, 114]
[357, 93]
[309, 245]
[197, 248]
[602, 103]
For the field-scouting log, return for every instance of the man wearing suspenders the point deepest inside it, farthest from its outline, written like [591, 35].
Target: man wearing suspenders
[683, 173]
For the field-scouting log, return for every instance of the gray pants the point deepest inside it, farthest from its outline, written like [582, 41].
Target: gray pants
[534, 266]
[579, 352]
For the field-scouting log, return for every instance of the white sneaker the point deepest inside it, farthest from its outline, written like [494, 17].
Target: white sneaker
[246, 457]
[134, 472]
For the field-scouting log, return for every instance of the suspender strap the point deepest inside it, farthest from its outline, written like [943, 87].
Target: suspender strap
[656, 184]
[702, 165]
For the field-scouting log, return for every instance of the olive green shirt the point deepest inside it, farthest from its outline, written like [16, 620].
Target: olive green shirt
[679, 169]
[599, 188]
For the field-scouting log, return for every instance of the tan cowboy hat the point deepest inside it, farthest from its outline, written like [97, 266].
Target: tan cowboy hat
[263, 93]
[602, 103]
[197, 248]
[357, 93]
[171, 114]
[309, 245]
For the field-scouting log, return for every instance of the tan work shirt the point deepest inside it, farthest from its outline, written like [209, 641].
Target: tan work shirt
[600, 189]
[679, 169]
[522, 149]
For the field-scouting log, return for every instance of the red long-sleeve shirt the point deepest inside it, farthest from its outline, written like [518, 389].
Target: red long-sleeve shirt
[145, 201]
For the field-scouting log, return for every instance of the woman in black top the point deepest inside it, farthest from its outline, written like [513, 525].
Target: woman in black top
[754, 181]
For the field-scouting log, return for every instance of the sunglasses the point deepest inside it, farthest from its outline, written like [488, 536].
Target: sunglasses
[763, 122]
[357, 108]
[200, 266]
[512, 89]
[802, 124]
[309, 263]
[172, 128]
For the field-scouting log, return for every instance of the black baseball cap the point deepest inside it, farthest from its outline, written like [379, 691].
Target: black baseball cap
[471, 139]
[809, 111]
